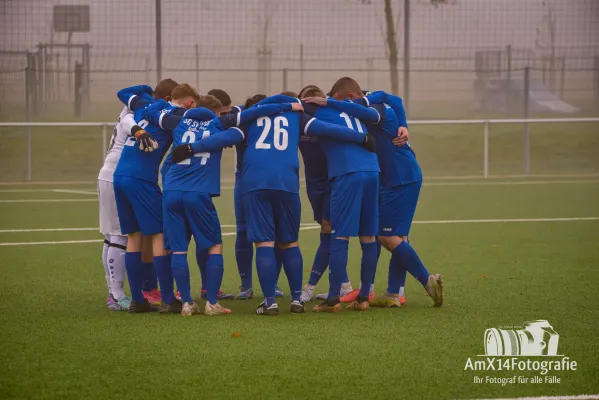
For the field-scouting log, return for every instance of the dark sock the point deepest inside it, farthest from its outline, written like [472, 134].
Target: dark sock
[267, 270]
[244, 254]
[214, 276]
[338, 266]
[133, 265]
[149, 277]
[165, 277]
[321, 259]
[368, 267]
[294, 269]
[180, 269]
[201, 256]
[408, 257]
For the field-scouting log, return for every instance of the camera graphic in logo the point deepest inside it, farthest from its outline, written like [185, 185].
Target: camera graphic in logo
[535, 338]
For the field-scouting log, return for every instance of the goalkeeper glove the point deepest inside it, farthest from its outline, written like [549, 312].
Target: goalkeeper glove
[369, 143]
[182, 152]
[144, 140]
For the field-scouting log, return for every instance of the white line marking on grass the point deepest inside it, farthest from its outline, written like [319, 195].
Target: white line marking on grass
[303, 226]
[441, 184]
[575, 397]
[46, 200]
[74, 191]
[40, 243]
[477, 221]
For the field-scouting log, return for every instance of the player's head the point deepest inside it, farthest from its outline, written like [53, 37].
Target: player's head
[185, 96]
[224, 98]
[289, 93]
[253, 100]
[311, 91]
[164, 89]
[210, 102]
[346, 88]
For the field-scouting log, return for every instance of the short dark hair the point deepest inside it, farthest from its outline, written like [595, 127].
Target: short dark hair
[310, 91]
[164, 88]
[210, 102]
[344, 86]
[289, 93]
[253, 100]
[222, 96]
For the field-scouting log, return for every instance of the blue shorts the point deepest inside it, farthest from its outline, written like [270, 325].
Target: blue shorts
[355, 205]
[239, 213]
[187, 214]
[321, 205]
[398, 205]
[138, 204]
[272, 215]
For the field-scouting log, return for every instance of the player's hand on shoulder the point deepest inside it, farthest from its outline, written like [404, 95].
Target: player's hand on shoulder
[402, 137]
[369, 143]
[144, 140]
[320, 101]
[297, 107]
[182, 152]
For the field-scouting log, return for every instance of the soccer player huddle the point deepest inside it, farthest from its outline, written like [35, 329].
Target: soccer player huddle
[362, 180]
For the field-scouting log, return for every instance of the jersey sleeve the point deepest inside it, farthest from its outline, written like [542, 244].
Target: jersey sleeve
[252, 113]
[366, 114]
[157, 114]
[396, 103]
[133, 96]
[377, 97]
[236, 109]
[128, 122]
[227, 138]
[311, 126]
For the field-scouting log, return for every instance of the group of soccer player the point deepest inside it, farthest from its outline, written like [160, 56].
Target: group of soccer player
[362, 180]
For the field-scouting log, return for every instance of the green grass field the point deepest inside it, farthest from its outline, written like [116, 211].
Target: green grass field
[59, 341]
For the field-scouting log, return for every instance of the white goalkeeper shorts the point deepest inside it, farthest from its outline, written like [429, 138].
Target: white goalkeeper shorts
[109, 218]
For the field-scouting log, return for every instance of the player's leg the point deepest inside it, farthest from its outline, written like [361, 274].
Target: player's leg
[369, 218]
[123, 187]
[288, 209]
[116, 264]
[205, 227]
[109, 300]
[398, 206]
[279, 261]
[345, 222]
[261, 231]
[149, 277]
[321, 204]
[244, 250]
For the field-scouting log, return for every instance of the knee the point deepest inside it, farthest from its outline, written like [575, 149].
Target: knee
[216, 249]
[325, 226]
[285, 246]
[118, 241]
[134, 242]
[367, 239]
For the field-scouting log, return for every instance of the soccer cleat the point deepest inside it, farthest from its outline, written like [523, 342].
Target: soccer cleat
[350, 297]
[298, 307]
[307, 293]
[344, 291]
[153, 297]
[220, 295]
[173, 308]
[402, 300]
[124, 303]
[279, 292]
[334, 306]
[178, 295]
[245, 294]
[273, 309]
[360, 304]
[434, 288]
[137, 308]
[389, 300]
[190, 309]
[215, 309]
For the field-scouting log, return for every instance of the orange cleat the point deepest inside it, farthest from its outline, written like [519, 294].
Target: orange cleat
[351, 296]
[153, 297]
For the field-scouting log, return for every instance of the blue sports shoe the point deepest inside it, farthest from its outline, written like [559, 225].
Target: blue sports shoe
[279, 292]
[245, 294]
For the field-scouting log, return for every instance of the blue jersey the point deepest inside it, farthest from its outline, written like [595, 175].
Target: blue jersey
[344, 158]
[315, 165]
[139, 164]
[200, 173]
[398, 164]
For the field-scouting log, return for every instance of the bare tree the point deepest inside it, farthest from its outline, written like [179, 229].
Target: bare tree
[392, 47]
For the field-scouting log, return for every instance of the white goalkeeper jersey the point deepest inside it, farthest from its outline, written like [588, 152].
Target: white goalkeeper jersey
[121, 131]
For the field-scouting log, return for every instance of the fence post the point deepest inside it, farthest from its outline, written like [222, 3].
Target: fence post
[486, 150]
[526, 133]
[197, 65]
[28, 83]
[301, 63]
[104, 149]
[406, 52]
[284, 79]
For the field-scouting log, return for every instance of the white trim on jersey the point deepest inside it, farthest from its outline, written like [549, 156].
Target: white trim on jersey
[240, 131]
[129, 101]
[307, 125]
[367, 102]
[160, 119]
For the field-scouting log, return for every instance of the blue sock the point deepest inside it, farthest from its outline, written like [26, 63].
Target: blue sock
[394, 278]
[133, 264]
[180, 269]
[214, 276]
[321, 259]
[378, 248]
[338, 266]
[279, 260]
[408, 257]
[201, 256]
[165, 277]
[244, 254]
[149, 277]
[368, 267]
[294, 269]
[267, 272]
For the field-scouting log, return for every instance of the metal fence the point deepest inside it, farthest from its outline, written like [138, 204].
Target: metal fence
[575, 146]
[443, 54]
